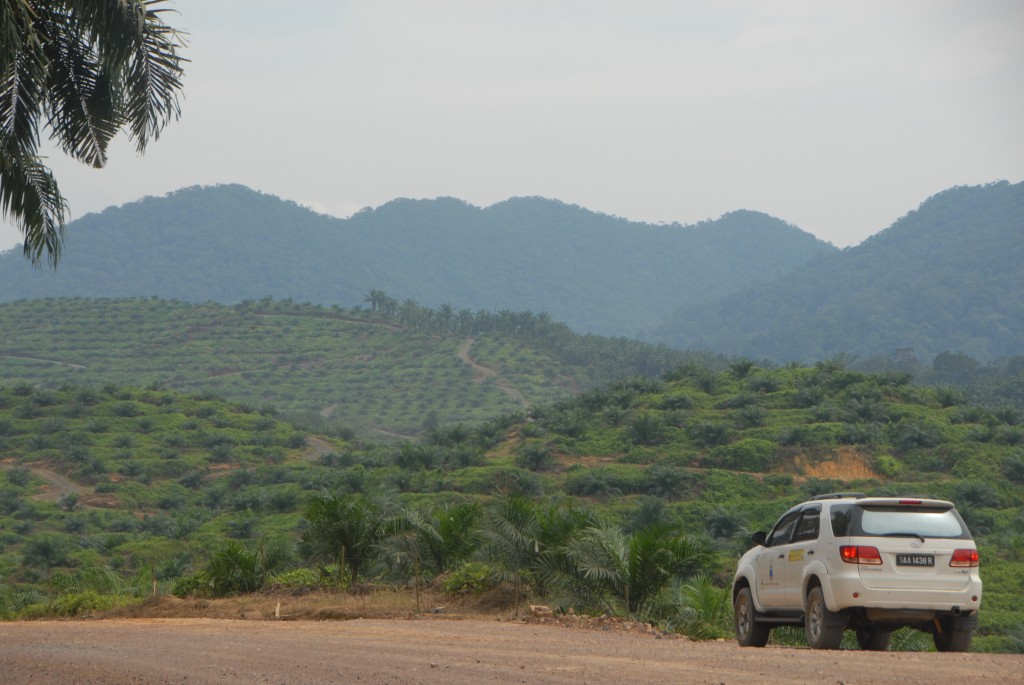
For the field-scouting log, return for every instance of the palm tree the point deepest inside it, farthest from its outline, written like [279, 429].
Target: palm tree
[85, 70]
[436, 542]
[633, 568]
[522, 539]
[376, 299]
[445, 317]
[344, 529]
[246, 568]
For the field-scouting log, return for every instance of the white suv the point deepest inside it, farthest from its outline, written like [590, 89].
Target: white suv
[871, 564]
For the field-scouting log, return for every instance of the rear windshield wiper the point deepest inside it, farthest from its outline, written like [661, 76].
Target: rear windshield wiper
[904, 535]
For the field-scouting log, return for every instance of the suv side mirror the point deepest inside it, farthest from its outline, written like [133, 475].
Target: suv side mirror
[759, 537]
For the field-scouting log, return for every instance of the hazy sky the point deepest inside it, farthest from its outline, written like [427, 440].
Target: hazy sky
[838, 117]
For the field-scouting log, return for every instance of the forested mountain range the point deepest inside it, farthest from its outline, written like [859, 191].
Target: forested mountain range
[598, 273]
[946, 277]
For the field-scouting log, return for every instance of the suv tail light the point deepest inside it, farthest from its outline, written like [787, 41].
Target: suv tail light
[964, 557]
[863, 554]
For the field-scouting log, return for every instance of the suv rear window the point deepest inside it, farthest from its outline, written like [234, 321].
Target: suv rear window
[928, 522]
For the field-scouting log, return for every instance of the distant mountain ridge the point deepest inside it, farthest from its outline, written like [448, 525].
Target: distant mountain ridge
[598, 273]
[946, 277]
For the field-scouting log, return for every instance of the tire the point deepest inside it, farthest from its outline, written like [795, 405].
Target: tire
[749, 633]
[874, 638]
[956, 634]
[824, 628]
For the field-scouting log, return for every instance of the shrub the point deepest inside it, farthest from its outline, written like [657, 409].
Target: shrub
[535, 456]
[646, 429]
[195, 585]
[19, 476]
[675, 402]
[471, 577]
[887, 466]
[77, 603]
[301, 579]
[296, 441]
[125, 409]
[603, 481]
[749, 454]
[1013, 468]
[704, 610]
[751, 417]
[763, 384]
[860, 434]
[909, 433]
[668, 482]
[708, 433]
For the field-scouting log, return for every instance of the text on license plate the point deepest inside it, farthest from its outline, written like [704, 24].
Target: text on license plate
[915, 559]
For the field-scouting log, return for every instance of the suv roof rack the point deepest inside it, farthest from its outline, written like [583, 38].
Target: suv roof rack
[839, 495]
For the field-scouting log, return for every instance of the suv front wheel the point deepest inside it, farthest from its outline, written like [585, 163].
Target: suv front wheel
[824, 628]
[749, 633]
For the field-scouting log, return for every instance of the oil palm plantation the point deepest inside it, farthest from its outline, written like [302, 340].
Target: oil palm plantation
[83, 70]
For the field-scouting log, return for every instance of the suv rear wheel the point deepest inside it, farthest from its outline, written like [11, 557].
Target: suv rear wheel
[954, 634]
[749, 633]
[874, 638]
[824, 628]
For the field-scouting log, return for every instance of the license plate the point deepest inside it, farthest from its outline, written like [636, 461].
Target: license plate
[915, 559]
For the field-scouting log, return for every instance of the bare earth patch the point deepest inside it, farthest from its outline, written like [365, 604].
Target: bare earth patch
[845, 464]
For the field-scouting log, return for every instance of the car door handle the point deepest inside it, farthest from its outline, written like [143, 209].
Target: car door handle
[810, 551]
[782, 556]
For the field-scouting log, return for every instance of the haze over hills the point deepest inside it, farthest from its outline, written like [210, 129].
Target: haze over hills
[946, 277]
[597, 273]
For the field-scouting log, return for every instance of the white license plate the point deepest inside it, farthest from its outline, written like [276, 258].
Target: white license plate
[915, 560]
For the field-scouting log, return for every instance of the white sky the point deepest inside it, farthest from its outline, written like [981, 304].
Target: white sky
[839, 117]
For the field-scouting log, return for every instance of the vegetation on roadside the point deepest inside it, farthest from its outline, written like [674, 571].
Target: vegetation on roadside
[632, 499]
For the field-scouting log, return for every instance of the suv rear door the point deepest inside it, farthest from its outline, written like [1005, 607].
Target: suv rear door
[916, 544]
[800, 552]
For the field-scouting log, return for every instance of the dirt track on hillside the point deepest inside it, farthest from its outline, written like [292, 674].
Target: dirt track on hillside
[453, 652]
[482, 373]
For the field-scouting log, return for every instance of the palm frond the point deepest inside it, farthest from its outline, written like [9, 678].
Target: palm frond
[91, 68]
[29, 194]
[82, 117]
[22, 76]
[153, 79]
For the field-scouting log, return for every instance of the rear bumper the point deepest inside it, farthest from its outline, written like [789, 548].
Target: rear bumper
[850, 592]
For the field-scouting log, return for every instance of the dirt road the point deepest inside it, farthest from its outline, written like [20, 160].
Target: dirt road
[452, 652]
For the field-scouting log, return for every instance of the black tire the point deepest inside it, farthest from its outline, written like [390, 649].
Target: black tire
[955, 634]
[824, 628]
[749, 633]
[874, 638]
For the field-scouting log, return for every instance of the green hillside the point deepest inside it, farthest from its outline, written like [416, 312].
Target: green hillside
[378, 373]
[105, 490]
[598, 273]
[948, 277]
